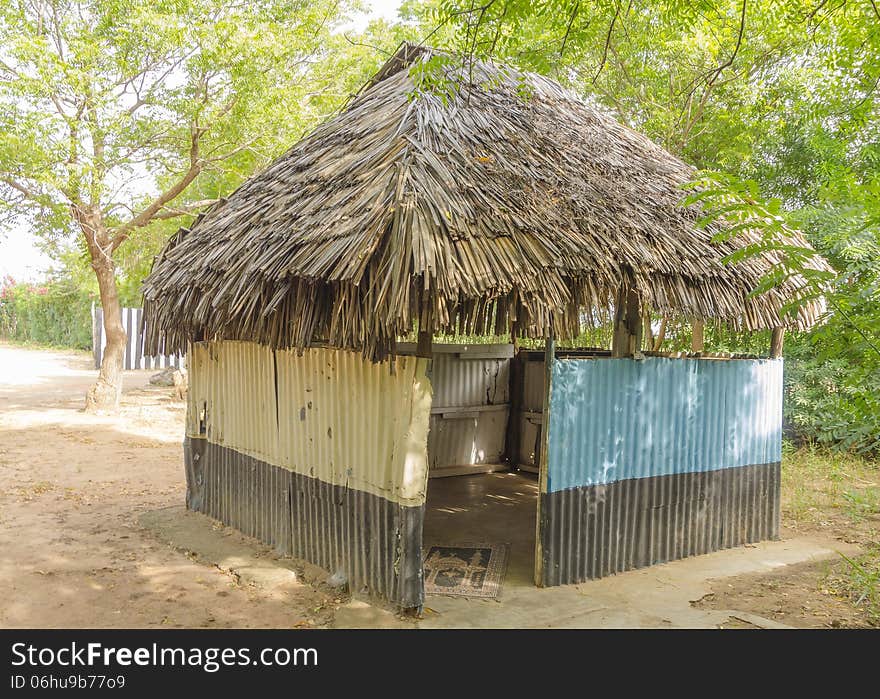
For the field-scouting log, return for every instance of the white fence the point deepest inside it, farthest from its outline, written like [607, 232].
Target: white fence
[133, 322]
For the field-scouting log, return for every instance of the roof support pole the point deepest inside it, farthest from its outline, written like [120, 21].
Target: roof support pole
[424, 348]
[776, 342]
[515, 387]
[514, 335]
[627, 324]
[543, 455]
[697, 335]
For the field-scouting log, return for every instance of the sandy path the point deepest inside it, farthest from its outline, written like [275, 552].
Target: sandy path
[72, 487]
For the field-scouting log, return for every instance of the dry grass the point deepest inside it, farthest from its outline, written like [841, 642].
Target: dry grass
[838, 494]
[835, 492]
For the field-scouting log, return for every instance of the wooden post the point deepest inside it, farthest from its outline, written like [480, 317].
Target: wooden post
[697, 332]
[515, 386]
[776, 342]
[544, 453]
[627, 324]
[424, 346]
[514, 335]
[426, 333]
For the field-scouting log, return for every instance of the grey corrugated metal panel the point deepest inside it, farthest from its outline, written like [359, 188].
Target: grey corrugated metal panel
[533, 386]
[615, 419]
[374, 542]
[595, 531]
[529, 441]
[139, 346]
[461, 382]
[461, 441]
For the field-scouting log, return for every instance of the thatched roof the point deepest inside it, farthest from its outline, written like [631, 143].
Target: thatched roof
[508, 198]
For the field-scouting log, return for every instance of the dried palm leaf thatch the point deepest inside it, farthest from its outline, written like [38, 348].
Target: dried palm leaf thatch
[505, 200]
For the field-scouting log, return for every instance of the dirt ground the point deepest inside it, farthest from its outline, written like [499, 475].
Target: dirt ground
[72, 487]
[831, 496]
[82, 496]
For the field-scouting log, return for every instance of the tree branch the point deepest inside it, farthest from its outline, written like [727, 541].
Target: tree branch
[607, 42]
[147, 215]
[184, 209]
[577, 7]
[27, 192]
[729, 61]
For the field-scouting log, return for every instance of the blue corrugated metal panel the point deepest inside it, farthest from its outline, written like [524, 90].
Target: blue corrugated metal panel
[616, 419]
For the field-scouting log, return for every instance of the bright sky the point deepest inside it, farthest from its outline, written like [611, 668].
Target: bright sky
[19, 256]
[386, 9]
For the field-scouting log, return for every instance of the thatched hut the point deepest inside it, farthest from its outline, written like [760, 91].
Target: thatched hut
[504, 205]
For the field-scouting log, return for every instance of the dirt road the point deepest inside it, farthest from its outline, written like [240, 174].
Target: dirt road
[72, 486]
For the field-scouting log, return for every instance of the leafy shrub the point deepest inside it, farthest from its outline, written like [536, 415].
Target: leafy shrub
[57, 314]
[833, 400]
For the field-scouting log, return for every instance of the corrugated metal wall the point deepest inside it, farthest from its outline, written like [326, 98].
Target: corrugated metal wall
[616, 419]
[326, 414]
[656, 459]
[470, 408]
[375, 543]
[351, 436]
[647, 460]
[528, 419]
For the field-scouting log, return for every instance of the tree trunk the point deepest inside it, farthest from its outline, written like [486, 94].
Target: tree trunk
[105, 394]
[661, 334]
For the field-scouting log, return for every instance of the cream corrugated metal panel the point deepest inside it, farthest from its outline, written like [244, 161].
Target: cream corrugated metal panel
[337, 417]
[233, 382]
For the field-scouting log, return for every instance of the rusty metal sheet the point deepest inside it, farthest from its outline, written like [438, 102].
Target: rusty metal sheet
[600, 530]
[373, 543]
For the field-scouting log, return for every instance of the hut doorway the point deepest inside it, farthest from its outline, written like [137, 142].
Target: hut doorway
[484, 433]
[497, 509]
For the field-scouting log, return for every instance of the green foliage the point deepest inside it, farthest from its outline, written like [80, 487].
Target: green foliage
[119, 116]
[830, 398]
[781, 95]
[833, 373]
[58, 314]
[861, 582]
[103, 101]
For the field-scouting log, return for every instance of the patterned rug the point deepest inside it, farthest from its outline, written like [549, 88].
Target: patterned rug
[466, 570]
